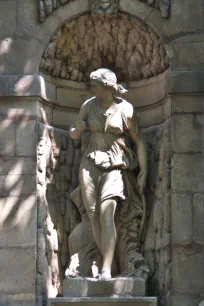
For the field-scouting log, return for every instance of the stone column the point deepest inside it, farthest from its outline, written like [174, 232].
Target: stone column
[187, 187]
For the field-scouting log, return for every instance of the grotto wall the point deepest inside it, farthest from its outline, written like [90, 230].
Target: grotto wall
[35, 106]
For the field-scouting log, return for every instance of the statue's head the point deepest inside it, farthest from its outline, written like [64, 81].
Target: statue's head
[105, 78]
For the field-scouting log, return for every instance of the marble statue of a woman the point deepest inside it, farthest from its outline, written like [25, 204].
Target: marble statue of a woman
[107, 163]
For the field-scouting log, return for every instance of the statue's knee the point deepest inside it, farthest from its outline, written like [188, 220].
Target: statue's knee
[106, 219]
[93, 217]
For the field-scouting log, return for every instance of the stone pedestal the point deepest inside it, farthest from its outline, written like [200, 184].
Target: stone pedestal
[90, 287]
[104, 301]
[115, 292]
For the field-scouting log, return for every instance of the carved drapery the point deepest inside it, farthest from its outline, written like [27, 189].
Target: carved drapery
[125, 44]
[46, 7]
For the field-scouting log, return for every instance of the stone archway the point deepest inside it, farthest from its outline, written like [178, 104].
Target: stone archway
[141, 64]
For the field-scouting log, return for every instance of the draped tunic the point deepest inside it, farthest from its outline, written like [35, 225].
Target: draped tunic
[108, 156]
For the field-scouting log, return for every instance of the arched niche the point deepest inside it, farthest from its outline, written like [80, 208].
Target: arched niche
[146, 91]
[76, 8]
[147, 94]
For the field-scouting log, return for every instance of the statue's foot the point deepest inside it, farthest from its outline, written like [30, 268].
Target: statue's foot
[105, 275]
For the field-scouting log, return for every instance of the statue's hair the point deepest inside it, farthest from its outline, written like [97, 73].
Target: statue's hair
[109, 79]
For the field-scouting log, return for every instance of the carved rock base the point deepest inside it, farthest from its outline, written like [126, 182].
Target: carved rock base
[90, 287]
[104, 301]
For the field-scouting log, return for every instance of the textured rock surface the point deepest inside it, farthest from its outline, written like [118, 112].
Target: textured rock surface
[125, 44]
[57, 216]
[157, 246]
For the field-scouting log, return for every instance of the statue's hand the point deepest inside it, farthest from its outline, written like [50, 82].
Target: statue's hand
[80, 126]
[100, 159]
[141, 182]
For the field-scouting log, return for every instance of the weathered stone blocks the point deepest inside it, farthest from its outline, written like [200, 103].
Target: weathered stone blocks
[26, 138]
[17, 266]
[184, 300]
[17, 185]
[188, 273]
[7, 137]
[189, 56]
[182, 218]
[198, 218]
[24, 299]
[18, 220]
[186, 134]
[187, 104]
[8, 13]
[188, 17]
[187, 173]
[17, 165]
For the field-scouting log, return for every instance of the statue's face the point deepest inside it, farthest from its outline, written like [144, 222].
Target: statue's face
[97, 88]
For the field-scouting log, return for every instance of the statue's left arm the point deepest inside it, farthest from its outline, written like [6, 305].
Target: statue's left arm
[134, 131]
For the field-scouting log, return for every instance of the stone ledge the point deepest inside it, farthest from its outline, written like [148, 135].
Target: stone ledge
[27, 85]
[144, 301]
[122, 286]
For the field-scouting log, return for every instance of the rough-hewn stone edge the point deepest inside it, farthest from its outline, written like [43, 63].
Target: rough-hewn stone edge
[185, 82]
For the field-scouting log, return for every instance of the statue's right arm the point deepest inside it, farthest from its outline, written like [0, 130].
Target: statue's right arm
[79, 126]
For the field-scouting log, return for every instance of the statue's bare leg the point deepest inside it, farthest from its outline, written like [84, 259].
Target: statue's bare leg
[88, 182]
[96, 229]
[108, 236]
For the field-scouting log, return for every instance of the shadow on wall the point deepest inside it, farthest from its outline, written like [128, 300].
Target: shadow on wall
[18, 132]
[18, 139]
[20, 56]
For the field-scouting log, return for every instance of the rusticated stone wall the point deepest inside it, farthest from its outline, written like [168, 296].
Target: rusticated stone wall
[18, 218]
[187, 199]
[23, 39]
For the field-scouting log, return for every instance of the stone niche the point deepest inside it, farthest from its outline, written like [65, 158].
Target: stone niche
[123, 44]
[136, 54]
